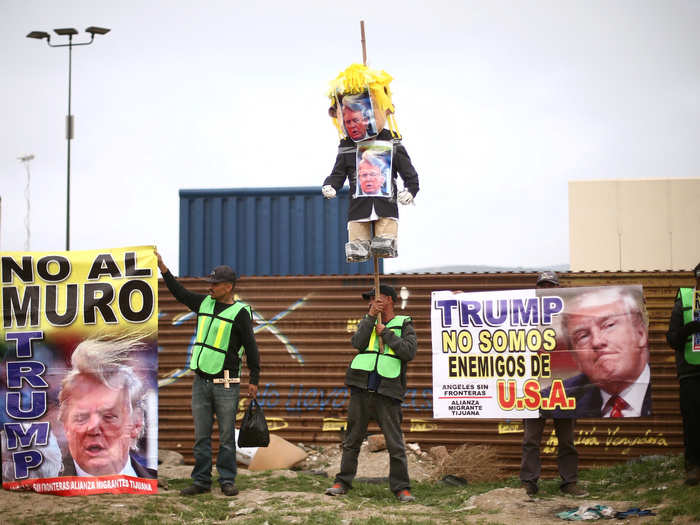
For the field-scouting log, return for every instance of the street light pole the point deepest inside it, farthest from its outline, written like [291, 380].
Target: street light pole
[69, 32]
[69, 137]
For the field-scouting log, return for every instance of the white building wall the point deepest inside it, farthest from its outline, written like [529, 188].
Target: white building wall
[621, 225]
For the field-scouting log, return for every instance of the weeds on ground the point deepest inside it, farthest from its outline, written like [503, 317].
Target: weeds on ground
[651, 482]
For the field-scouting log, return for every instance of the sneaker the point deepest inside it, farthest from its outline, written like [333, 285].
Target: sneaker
[194, 489]
[572, 489]
[530, 487]
[404, 496]
[336, 490]
[229, 489]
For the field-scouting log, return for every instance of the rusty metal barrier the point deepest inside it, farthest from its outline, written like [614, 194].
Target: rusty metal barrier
[303, 326]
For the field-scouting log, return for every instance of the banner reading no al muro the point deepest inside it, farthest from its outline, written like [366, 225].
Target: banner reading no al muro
[554, 352]
[78, 385]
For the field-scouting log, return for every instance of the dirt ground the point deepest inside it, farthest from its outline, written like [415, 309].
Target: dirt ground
[371, 465]
[502, 505]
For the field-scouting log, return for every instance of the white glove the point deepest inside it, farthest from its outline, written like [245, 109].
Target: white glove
[404, 197]
[328, 191]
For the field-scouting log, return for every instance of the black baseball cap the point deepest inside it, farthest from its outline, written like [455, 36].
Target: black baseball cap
[548, 277]
[384, 289]
[222, 274]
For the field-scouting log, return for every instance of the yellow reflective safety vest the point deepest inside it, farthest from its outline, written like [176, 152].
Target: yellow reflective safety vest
[687, 296]
[386, 363]
[213, 335]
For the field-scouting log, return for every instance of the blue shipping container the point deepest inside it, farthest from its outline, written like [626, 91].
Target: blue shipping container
[266, 231]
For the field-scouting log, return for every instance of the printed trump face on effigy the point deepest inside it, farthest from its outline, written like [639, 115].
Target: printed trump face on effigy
[371, 178]
[355, 123]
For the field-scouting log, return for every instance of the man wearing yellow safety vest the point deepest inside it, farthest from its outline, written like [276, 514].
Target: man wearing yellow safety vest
[684, 337]
[377, 381]
[224, 332]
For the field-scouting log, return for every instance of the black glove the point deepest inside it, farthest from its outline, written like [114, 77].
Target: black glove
[690, 328]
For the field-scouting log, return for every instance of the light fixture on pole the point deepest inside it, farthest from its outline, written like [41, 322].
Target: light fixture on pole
[69, 32]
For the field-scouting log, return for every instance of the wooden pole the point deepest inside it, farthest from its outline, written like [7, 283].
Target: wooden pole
[376, 278]
[376, 296]
[364, 42]
[376, 259]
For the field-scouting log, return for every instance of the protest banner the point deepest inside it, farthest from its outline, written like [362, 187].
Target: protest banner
[561, 352]
[78, 386]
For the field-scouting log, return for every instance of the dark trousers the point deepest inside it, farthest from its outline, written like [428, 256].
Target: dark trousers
[567, 457]
[387, 413]
[690, 412]
[209, 399]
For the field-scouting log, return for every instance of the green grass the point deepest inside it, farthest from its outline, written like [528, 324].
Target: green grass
[654, 482]
[651, 482]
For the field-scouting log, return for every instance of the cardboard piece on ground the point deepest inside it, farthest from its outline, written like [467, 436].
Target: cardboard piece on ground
[279, 454]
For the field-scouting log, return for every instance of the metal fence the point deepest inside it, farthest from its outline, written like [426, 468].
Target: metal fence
[303, 326]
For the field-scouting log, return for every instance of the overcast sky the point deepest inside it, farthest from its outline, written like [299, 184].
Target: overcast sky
[500, 103]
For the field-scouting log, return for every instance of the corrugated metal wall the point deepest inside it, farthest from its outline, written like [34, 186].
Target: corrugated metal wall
[265, 231]
[304, 331]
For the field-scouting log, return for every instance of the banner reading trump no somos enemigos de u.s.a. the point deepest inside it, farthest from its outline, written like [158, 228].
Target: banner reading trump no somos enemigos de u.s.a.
[569, 352]
[78, 387]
